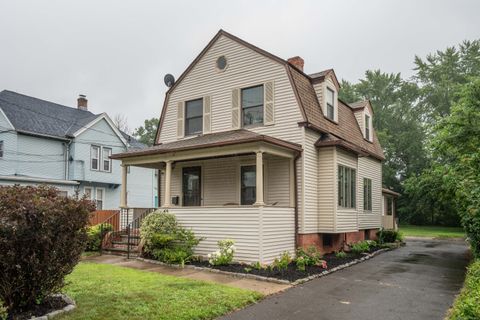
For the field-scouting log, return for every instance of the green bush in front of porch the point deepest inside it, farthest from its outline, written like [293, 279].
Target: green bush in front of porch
[165, 240]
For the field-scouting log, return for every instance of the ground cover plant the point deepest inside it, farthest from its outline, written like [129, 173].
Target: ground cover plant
[111, 292]
[42, 236]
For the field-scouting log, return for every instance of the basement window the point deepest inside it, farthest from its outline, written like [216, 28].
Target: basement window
[327, 240]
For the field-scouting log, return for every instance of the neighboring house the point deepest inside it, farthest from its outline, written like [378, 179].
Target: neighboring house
[46, 143]
[253, 149]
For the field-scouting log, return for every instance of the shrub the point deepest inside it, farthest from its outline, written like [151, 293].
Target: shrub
[224, 255]
[360, 247]
[42, 236]
[388, 236]
[95, 236]
[466, 305]
[311, 256]
[282, 263]
[166, 240]
[3, 311]
[341, 254]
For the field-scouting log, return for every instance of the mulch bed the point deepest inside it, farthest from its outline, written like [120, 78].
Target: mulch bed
[50, 304]
[292, 273]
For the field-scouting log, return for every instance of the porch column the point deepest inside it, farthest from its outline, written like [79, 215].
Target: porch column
[168, 182]
[123, 191]
[259, 176]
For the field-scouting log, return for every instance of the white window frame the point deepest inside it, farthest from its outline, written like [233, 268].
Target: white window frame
[108, 159]
[103, 197]
[332, 104]
[91, 192]
[99, 153]
[242, 125]
[368, 126]
[367, 195]
[349, 200]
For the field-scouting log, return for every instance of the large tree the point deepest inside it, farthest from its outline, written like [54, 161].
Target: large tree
[146, 133]
[396, 120]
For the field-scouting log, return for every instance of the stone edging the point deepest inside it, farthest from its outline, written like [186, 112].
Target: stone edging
[269, 279]
[69, 307]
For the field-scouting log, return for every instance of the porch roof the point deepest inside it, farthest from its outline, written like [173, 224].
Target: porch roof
[226, 138]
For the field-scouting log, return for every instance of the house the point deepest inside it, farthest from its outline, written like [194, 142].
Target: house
[252, 148]
[42, 142]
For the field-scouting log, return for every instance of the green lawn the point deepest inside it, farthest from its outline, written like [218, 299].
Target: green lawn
[431, 231]
[111, 292]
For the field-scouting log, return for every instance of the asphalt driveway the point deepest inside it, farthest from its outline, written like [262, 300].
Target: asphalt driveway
[418, 281]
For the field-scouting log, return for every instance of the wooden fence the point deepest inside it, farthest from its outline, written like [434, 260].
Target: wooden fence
[101, 216]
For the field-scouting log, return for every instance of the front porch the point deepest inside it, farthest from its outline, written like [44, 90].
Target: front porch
[243, 190]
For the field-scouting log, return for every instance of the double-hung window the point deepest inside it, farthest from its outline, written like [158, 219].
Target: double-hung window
[95, 157]
[252, 106]
[194, 117]
[346, 187]
[99, 198]
[330, 104]
[367, 127]
[107, 162]
[367, 194]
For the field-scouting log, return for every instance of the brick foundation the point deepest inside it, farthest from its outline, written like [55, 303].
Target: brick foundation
[337, 239]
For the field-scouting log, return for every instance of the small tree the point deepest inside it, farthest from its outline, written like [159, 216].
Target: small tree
[42, 235]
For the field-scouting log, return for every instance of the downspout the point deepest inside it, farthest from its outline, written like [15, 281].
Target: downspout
[296, 198]
[67, 156]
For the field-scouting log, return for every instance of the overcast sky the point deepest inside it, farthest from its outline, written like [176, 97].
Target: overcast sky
[117, 52]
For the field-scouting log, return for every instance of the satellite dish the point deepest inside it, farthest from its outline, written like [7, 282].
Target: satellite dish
[169, 80]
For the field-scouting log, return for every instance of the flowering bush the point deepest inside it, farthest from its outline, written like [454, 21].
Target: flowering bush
[224, 255]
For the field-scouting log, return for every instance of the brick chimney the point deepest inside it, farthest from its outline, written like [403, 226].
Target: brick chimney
[82, 102]
[297, 62]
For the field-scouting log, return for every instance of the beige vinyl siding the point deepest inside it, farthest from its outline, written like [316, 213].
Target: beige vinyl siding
[260, 233]
[309, 222]
[278, 226]
[326, 190]
[245, 68]
[346, 218]
[360, 120]
[221, 180]
[371, 169]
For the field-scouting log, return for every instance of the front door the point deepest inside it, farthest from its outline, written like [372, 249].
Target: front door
[192, 186]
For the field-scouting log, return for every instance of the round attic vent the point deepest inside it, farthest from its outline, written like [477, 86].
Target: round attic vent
[221, 63]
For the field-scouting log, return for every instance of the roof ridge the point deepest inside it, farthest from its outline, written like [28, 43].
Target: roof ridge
[50, 102]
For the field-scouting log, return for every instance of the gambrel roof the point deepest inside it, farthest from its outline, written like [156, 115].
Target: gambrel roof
[346, 129]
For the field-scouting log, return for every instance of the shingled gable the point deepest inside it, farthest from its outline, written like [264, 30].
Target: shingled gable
[313, 118]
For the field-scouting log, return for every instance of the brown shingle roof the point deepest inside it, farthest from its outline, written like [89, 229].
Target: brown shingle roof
[211, 140]
[347, 127]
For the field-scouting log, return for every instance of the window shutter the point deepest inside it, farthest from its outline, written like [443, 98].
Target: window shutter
[268, 109]
[180, 119]
[207, 114]
[236, 109]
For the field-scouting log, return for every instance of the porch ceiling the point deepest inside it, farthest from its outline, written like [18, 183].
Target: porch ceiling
[228, 143]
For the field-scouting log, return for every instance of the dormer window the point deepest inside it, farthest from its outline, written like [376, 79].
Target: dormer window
[330, 104]
[367, 127]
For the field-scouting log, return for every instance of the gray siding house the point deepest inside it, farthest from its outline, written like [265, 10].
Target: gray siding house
[69, 148]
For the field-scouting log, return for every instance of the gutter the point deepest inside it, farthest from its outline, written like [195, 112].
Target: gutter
[38, 180]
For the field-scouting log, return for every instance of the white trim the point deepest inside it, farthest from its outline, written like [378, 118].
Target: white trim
[8, 120]
[39, 180]
[103, 196]
[98, 119]
[99, 157]
[91, 192]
